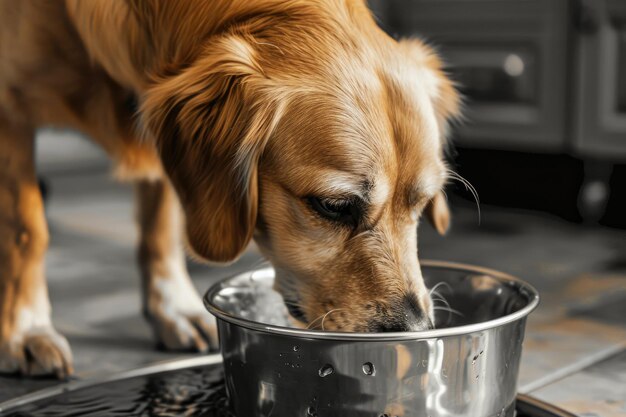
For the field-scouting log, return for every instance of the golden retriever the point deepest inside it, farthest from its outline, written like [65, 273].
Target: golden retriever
[298, 123]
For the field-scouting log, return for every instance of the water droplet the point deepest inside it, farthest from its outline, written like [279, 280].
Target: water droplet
[326, 370]
[368, 368]
[311, 412]
[473, 361]
[424, 363]
[296, 348]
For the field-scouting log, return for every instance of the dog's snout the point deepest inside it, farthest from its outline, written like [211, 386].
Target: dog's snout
[403, 326]
[407, 316]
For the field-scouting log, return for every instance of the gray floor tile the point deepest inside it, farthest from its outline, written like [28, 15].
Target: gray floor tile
[556, 348]
[596, 391]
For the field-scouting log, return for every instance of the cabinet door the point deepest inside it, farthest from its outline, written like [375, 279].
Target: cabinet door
[601, 121]
[509, 58]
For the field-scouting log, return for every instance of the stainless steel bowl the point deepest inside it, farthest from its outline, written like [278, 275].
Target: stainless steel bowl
[467, 367]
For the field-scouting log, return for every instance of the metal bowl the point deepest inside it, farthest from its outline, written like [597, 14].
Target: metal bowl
[467, 366]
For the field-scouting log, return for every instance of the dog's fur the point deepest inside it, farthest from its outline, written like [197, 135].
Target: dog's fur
[253, 110]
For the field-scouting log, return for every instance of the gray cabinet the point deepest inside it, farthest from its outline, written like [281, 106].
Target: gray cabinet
[601, 121]
[509, 58]
[539, 75]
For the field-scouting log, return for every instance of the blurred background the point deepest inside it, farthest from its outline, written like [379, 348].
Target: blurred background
[543, 143]
[545, 90]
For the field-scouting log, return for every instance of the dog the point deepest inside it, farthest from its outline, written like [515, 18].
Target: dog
[296, 123]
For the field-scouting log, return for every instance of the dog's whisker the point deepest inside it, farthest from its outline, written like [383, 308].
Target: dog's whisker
[436, 294]
[443, 305]
[449, 316]
[456, 176]
[468, 186]
[441, 299]
[449, 310]
[311, 323]
[322, 318]
[439, 284]
[327, 314]
[446, 305]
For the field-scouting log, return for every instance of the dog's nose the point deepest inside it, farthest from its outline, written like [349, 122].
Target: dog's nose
[407, 317]
[404, 326]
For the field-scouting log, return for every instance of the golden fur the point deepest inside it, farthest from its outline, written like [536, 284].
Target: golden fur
[252, 109]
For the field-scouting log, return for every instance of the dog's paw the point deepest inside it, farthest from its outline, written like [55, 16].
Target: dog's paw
[177, 315]
[190, 331]
[37, 352]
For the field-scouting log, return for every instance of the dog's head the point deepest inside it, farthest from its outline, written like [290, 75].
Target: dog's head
[327, 148]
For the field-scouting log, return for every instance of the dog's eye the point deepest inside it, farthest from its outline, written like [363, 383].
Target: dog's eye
[344, 211]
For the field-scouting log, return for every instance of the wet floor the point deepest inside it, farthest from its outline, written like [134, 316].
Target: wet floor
[190, 392]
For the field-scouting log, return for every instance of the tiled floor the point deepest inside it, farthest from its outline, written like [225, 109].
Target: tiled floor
[575, 348]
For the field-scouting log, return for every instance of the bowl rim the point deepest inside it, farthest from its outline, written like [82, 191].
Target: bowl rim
[383, 337]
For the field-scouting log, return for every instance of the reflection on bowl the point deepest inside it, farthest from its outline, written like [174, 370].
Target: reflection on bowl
[467, 366]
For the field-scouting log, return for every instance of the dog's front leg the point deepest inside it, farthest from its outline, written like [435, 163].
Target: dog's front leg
[28, 343]
[170, 301]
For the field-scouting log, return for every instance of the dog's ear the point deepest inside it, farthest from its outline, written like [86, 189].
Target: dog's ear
[438, 213]
[445, 97]
[210, 124]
